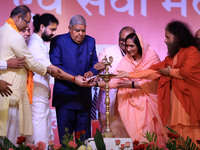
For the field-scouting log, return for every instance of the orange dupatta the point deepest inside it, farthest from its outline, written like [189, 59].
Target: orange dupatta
[29, 86]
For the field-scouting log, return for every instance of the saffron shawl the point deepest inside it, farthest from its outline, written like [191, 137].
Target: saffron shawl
[138, 107]
[187, 89]
[29, 86]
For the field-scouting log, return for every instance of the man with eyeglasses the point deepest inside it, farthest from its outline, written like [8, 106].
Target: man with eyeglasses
[15, 108]
[117, 52]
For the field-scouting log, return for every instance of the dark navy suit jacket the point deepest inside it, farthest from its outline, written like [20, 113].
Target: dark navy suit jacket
[75, 59]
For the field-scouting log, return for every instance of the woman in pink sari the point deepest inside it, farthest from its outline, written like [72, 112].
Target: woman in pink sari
[137, 98]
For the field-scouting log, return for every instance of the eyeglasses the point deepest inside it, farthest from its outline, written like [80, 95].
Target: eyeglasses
[27, 22]
[122, 39]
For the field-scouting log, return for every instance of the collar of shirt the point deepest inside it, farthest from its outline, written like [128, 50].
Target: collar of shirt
[123, 54]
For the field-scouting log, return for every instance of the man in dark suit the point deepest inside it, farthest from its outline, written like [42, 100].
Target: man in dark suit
[75, 53]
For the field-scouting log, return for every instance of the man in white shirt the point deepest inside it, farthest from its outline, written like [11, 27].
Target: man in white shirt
[45, 27]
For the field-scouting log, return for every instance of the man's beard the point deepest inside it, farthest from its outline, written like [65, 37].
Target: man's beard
[173, 48]
[46, 37]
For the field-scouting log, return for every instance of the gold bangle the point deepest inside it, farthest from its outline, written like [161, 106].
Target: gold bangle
[73, 79]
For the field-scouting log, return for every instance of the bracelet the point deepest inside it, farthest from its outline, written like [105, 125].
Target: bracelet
[133, 86]
[96, 84]
[73, 79]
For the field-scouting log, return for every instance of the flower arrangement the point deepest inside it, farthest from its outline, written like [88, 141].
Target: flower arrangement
[6, 144]
[125, 146]
[174, 142]
[76, 142]
[70, 142]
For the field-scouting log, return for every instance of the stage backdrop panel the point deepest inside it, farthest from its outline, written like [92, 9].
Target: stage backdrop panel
[106, 17]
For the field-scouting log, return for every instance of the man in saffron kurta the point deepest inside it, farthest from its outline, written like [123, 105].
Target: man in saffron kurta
[15, 110]
[179, 82]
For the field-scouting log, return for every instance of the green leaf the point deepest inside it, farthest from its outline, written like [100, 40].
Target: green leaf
[99, 142]
[148, 147]
[171, 130]
[155, 138]
[7, 144]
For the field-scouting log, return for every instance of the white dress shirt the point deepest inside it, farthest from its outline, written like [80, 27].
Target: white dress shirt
[40, 52]
[3, 65]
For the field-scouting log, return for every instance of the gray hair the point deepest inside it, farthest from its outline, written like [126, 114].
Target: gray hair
[21, 9]
[77, 19]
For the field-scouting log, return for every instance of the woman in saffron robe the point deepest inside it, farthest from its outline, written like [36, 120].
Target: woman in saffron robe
[179, 81]
[137, 98]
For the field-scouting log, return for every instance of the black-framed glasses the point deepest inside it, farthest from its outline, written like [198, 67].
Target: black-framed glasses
[27, 22]
[122, 39]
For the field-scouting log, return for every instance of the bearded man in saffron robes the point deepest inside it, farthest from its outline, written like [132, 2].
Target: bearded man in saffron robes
[179, 81]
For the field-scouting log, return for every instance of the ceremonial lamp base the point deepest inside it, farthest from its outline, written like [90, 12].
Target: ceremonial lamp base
[106, 78]
[108, 135]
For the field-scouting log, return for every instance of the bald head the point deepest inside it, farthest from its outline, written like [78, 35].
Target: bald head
[123, 34]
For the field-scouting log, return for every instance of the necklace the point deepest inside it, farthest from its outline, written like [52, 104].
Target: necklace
[138, 59]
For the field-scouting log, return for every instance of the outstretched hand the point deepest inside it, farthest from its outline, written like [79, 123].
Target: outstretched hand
[4, 89]
[16, 63]
[80, 80]
[88, 74]
[99, 66]
[124, 84]
[54, 71]
[122, 74]
[83, 82]
[165, 71]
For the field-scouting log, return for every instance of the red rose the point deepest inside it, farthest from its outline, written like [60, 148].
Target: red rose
[117, 142]
[142, 146]
[83, 132]
[169, 135]
[78, 134]
[136, 147]
[136, 142]
[122, 146]
[172, 136]
[20, 140]
[175, 136]
[198, 141]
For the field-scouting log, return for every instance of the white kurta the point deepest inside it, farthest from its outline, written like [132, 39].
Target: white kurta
[12, 45]
[41, 113]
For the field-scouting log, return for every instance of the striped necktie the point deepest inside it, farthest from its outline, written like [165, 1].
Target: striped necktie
[94, 102]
